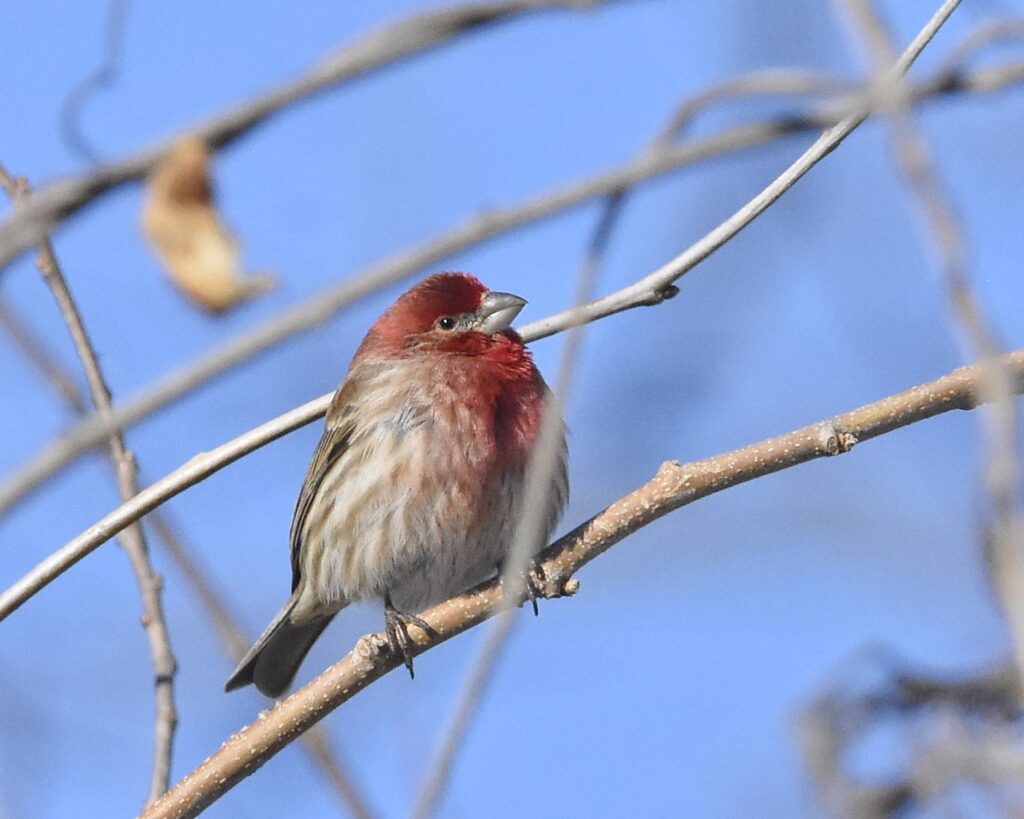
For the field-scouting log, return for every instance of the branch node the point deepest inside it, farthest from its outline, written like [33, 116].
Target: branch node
[658, 295]
[836, 441]
[369, 650]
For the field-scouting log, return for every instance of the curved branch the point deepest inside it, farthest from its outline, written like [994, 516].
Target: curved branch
[390, 44]
[675, 485]
[658, 283]
[197, 469]
[322, 307]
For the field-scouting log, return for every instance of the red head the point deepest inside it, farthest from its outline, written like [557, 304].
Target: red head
[449, 313]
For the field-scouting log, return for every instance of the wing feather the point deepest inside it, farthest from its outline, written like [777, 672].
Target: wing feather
[338, 431]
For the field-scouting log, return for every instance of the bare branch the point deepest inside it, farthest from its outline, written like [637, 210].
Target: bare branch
[879, 687]
[661, 283]
[675, 485]
[235, 643]
[658, 283]
[529, 532]
[481, 673]
[101, 77]
[913, 157]
[199, 467]
[983, 36]
[133, 539]
[319, 309]
[390, 44]
[38, 357]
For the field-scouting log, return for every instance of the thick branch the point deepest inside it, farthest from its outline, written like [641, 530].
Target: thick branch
[323, 306]
[675, 485]
[51, 205]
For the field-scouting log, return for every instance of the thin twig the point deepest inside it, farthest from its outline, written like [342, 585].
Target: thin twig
[323, 306]
[386, 46]
[913, 157]
[233, 640]
[675, 485]
[195, 470]
[103, 76]
[980, 38]
[879, 687]
[46, 364]
[133, 539]
[317, 310]
[652, 289]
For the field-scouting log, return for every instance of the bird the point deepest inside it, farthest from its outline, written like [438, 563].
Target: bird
[415, 489]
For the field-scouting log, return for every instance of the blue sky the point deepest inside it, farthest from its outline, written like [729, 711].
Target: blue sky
[669, 685]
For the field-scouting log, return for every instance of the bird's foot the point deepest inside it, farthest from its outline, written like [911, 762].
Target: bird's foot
[396, 626]
[533, 580]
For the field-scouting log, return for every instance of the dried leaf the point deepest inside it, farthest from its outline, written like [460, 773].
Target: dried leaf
[185, 231]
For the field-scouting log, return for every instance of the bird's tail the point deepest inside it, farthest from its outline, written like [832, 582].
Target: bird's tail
[276, 656]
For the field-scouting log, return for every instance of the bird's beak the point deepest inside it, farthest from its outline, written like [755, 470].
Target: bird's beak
[498, 311]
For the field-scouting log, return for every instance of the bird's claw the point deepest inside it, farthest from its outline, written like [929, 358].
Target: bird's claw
[533, 583]
[396, 627]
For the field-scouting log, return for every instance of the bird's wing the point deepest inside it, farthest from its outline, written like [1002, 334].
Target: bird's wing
[340, 425]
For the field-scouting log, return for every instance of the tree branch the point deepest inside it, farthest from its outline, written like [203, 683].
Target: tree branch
[880, 688]
[322, 307]
[233, 640]
[675, 485]
[393, 43]
[195, 470]
[133, 539]
[913, 157]
[659, 283]
[756, 83]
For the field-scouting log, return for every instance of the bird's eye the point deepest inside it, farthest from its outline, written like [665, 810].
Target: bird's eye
[446, 323]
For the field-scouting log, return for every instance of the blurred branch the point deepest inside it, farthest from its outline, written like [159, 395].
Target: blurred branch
[315, 744]
[232, 638]
[323, 306]
[39, 358]
[771, 82]
[660, 284]
[653, 289]
[957, 727]
[980, 38]
[103, 76]
[674, 486]
[133, 539]
[390, 44]
[946, 239]
[227, 624]
[528, 537]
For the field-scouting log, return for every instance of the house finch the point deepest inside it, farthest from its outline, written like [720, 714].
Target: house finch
[417, 484]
